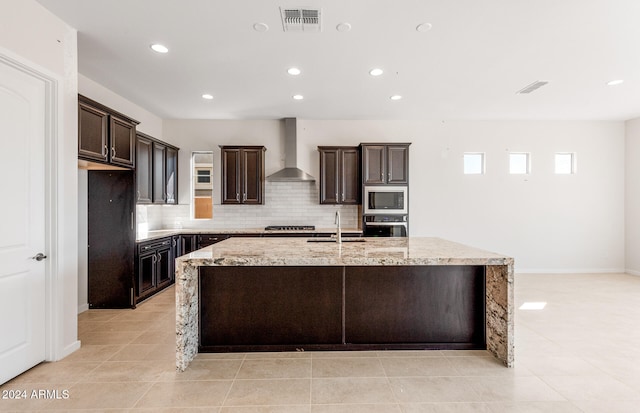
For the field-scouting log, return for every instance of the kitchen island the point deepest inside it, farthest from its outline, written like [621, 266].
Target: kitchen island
[257, 294]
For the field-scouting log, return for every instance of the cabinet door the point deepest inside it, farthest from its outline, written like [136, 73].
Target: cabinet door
[164, 268]
[252, 179]
[144, 171]
[329, 176]
[373, 164]
[122, 137]
[171, 175]
[92, 133]
[349, 176]
[397, 164]
[231, 176]
[146, 272]
[159, 168]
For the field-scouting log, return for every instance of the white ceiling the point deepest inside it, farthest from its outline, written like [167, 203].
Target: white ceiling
[468, 66]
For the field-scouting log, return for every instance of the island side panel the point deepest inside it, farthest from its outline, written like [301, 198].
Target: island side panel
[186, 313]
[500, 334]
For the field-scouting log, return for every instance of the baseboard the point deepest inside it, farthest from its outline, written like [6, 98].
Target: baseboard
[75, 346]
[633, 272]
[572, 271]
[82, 308]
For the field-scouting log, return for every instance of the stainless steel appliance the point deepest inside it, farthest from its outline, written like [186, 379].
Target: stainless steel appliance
[385, 225]
[385, 199]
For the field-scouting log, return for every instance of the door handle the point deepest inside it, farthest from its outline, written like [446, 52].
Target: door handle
[39, 257]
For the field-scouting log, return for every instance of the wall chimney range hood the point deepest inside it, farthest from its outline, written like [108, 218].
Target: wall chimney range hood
[291, 172]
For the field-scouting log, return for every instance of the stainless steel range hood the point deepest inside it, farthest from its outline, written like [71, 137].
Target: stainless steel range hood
[291, 172]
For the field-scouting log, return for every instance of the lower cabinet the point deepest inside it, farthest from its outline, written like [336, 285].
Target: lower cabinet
[155, 266]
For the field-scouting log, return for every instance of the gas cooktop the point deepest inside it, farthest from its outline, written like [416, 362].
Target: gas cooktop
[290, 228]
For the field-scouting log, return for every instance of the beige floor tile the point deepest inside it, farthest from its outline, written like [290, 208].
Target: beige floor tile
[421, 366]
[101, 395]
[348, 367]
[93, 352]
[558, 366]
[348, 354]
[57, 373]
[410, 353]
[486, 366]
[608, 406]
[351, 390]
[513, 389]
[109, 337]
[279, 355]
[446, 408]
[304, 408]
[185, 394]
[125, 371]
[145, 352]
[204, 370]
[275, 368]
[355, 408]
[433, 389]
[217, 356]
[591, 388]
[269, 392]
[155, 337]
[535, 407]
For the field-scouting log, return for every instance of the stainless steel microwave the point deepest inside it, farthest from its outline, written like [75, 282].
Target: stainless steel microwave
[385, 199]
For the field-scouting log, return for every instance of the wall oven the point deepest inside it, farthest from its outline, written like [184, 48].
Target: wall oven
[385, 226]
[385, 199]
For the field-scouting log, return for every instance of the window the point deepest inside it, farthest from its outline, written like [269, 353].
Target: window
[473, 163]
[519, 163]
[565, 163]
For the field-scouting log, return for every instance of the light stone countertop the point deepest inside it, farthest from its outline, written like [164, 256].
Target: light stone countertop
[161, 233]
[499, 306]
[373, 251]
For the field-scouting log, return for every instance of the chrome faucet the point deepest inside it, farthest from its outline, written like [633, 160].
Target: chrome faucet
[338, 231]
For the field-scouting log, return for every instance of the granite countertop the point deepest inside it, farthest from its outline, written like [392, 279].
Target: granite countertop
[161, 233]
[373, 251]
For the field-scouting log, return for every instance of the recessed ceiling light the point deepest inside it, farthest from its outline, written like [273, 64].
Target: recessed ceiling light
[395, 97]
[298, 97]
[343, 27]
[376, 71]
[207, 96]
[294, 71]
[424, 27]
[260, 27]
[156, 47]
[615, 82]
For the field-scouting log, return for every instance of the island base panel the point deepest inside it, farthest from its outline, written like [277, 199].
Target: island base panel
[245, 306]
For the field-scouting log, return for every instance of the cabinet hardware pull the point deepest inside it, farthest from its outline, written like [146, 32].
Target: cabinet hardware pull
[244, 198]
[238, 196]
[337, 199]
[106, 152]
[154, 259]
[113, 152]
[159, 258]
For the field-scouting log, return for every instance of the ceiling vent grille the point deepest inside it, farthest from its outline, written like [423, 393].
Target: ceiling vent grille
[300, 20]
[532, 87]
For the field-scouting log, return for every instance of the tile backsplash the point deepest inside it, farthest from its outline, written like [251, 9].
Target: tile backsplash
[286, 203]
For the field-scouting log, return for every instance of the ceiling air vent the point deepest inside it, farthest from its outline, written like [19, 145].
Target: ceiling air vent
[300, 20]
[532, 87]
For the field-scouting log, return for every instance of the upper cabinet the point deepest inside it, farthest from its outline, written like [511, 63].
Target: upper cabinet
[385, 163]
[105, 135]
[339, 175]
[242, 174]
[156, 171]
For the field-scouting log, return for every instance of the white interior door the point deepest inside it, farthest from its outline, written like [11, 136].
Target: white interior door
[22, 220]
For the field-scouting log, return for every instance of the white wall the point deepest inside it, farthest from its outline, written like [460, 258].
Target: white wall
[46, 43]
[547, 222]
[632, 196]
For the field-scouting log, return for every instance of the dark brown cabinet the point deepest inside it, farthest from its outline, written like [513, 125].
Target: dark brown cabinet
[156, 266]
[242, 174]
[156, 171]
[385, 164]
[339, 175]
[105, 135]
[204, 240]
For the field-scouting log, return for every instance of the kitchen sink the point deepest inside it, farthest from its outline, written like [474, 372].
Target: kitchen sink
[334, 240]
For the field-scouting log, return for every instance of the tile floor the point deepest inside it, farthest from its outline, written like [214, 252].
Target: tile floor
[580, 354]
